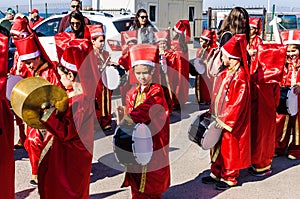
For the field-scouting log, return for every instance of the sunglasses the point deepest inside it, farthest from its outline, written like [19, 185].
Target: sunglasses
[76, 23]
[144, 17]
[75, 6]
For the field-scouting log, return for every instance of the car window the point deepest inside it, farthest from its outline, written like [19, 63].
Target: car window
[123, 25]
[48, 28]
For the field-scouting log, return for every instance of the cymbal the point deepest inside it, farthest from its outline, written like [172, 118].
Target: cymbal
[30, 93]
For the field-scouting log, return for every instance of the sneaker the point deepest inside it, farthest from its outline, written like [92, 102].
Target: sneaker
[208, 180]
[291, 157]
[33, 183]
[108, 128]
[221, 185]
[259, 174]
[18, 146]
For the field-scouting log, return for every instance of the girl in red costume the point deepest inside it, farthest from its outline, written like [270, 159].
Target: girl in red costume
[7, 163]
[231, 110]
[288, 134]
[64, 171]
[146, 104]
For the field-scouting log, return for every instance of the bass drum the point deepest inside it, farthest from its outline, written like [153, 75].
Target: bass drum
[203, 131]
[113, 77]
[133, 146]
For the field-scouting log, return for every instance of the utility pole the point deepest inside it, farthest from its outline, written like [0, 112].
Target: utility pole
[30, 5]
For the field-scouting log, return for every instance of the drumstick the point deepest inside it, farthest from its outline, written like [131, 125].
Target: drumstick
[104, 64]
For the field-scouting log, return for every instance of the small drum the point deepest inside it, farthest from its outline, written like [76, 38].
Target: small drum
[114, 76]
[197, 67]
[288, 104]
[133, 146]
[12, 80]
[203, 132]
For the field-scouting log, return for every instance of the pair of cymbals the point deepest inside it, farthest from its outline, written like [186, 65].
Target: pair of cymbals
[29, 94]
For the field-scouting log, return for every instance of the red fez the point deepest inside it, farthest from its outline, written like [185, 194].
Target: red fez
[75, 53]
[290, 36]
[183, 27]
[20, 26]
[127, 36]
[146, 54]
[96, 30]
[27, 48]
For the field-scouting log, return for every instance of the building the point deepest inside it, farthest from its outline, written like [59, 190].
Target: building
[162, 13]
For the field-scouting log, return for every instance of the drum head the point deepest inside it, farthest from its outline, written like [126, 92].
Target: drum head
[12, 80]
[292, 102]
[199, 66]
[142, 146]
[111, 78]
[211, 136]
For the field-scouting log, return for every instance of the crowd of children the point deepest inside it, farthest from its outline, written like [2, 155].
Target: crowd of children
[251, 75]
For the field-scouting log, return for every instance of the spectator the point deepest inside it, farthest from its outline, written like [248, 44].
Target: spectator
[35, 18]
[6, 22]
[77, 24]
[143, 26]
[65, 21]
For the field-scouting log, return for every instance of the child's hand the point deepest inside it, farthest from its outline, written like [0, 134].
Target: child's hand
[218, 126]
[120, 113]
[296, 89]
[252, 52]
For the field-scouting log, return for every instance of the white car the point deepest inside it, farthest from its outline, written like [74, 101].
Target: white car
[113, 25]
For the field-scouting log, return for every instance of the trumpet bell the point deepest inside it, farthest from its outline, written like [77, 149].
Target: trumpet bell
[29, 94]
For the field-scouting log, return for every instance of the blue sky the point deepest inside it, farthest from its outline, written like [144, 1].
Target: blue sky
[287, 5]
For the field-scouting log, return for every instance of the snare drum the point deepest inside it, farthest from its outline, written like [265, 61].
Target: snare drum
[133, 146]
[288, 104]
[12, 80]
[114, 77]
[203, 132]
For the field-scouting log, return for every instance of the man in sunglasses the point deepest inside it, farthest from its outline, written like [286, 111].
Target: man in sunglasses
[65, 21]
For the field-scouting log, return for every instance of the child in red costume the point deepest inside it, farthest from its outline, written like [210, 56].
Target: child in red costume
[103, 94]
[230, 109]
[64, 171]
[7, 162]
[288, 134]
[146, 104]
[33, 55]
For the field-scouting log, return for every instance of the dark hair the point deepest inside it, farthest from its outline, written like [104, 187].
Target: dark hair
[66, 71]
[182, 43]
[236, 22]
[136, 23]
[76, 14]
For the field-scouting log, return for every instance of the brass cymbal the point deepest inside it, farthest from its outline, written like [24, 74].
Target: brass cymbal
[30, 93]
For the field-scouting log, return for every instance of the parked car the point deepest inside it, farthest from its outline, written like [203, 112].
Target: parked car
[113, 25]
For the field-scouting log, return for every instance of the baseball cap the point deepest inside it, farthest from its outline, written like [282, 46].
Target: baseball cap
[34, 11]
[10, 11]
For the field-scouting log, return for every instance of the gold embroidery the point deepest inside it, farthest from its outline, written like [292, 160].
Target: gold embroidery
[287, 117]
[143, 179]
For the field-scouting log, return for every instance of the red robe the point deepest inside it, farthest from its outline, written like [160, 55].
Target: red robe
[158, 169]
[267, 71]
[288, 126]
[255, 42]
[37, 139]
[64, 171]
[7, 162]
[231, 109]
[103, 96]
[182, 77]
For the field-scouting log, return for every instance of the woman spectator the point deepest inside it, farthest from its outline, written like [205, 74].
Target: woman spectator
[77, 24]
[143, 26]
